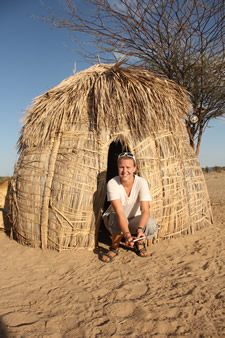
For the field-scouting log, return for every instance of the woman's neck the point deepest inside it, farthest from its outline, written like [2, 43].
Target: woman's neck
[128, 184]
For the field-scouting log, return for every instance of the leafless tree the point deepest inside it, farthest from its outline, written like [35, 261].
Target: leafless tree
[183, 40]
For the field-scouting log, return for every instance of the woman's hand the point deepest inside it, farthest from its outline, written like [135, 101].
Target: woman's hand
[128, 240]
[140, 233]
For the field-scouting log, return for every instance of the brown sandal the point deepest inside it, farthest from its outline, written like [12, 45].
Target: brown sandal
[107, 254]
[141, 251]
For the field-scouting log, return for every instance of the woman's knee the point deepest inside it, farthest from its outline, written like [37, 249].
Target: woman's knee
[151, 227]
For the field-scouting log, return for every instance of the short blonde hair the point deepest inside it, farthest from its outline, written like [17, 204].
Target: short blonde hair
[126, 156]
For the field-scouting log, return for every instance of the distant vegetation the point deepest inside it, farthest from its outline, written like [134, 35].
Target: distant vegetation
[210, 169]
[3, 178]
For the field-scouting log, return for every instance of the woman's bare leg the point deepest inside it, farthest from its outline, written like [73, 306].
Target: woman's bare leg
[116, 239]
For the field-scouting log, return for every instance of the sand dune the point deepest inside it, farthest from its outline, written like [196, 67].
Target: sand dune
[179, 290]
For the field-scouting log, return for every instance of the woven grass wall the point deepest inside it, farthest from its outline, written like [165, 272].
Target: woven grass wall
[59, 183]
[54, 191]
[180, 202]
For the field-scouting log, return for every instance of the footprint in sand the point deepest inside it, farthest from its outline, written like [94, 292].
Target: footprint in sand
[119, 309]
[129, 291]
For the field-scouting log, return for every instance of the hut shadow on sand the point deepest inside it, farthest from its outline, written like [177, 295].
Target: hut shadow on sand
[3, 329]
[68, 147]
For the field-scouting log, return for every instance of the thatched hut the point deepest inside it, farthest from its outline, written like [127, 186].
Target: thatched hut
[68, 146]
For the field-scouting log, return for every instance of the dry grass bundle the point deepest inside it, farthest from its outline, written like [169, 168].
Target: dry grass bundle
[59, 183]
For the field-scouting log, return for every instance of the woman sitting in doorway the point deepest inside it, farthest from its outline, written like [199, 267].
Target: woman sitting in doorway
[128, 213]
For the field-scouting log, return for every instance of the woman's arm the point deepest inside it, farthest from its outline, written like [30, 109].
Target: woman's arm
[144, 205]
[122, 220]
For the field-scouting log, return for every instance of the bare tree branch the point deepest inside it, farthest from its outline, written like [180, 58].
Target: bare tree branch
[183, 40]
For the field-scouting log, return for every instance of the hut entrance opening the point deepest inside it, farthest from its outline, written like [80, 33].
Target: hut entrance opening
[115, 148]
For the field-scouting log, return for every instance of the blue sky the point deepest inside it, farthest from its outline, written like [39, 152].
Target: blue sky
[34, 58]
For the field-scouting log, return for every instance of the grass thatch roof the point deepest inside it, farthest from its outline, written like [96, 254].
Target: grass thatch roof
[105, 96]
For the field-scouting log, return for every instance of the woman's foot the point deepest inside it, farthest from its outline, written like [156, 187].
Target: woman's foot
[109, 256]
[141, 249]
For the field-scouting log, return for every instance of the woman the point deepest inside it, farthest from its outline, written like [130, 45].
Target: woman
[128, 213]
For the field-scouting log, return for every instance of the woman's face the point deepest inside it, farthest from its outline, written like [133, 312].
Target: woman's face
[126, 170]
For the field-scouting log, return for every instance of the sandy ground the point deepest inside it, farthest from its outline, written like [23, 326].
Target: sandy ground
[179, 290]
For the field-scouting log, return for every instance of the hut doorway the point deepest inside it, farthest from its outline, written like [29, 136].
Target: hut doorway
[115, 148]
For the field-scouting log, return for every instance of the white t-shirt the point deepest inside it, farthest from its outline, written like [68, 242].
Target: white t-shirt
[131, 204]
